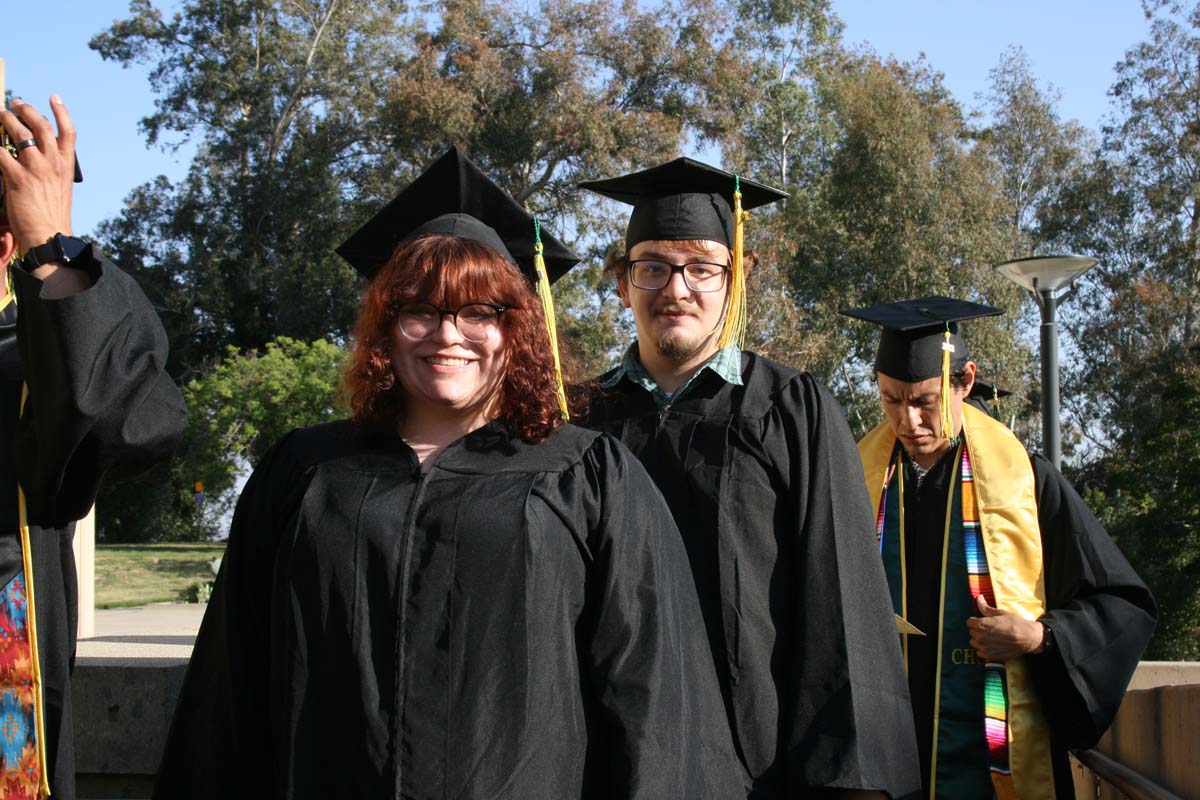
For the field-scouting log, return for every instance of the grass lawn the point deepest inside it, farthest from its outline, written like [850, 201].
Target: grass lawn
[136, 574]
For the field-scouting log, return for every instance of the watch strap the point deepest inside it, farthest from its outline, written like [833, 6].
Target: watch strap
[1047, 638]
[60, 249]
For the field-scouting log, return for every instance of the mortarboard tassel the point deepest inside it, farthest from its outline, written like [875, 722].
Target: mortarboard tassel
[996, 402]
[947, 417]
[734, 329]
[543, 291]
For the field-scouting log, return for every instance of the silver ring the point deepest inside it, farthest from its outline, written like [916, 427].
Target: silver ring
[21, 145]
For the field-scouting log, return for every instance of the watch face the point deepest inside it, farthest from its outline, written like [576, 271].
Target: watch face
[62, 249]
[71, 247]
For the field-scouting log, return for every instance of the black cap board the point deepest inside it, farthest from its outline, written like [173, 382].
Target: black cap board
[453, 196]
[910, 348]
[982, 394]
[682, 200]
[986, 398]
[986, 391]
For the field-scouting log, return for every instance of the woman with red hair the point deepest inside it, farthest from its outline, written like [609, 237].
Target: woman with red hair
[452, 594]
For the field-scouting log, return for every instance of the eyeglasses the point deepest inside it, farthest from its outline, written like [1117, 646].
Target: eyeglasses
[699, 276]
[475, 322]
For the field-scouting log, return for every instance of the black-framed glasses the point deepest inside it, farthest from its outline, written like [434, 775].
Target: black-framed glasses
[699, 276]
[475, 322]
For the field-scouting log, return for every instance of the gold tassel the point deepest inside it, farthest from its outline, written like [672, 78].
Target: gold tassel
[543, 291]
[31, 613]
[734, 329]
[947, 417]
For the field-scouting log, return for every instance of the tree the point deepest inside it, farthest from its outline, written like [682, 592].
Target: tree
[236, 411]
[545, 99]
[312, 113]
[279, 95]
[1035, 150]
[903, 207]
[249, 401]
[1147, 496]
[769, 120]
[1136, 208]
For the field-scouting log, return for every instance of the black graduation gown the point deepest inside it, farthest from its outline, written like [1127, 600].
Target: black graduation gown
[1101, 613]
[99, 401]
[765, 485]
[516, 623]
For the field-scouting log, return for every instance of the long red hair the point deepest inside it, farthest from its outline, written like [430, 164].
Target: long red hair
[449, 272]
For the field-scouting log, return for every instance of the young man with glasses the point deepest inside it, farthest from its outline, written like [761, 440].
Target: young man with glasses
[761, 473]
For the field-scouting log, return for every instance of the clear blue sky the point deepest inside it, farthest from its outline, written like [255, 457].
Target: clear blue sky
[1070, 43]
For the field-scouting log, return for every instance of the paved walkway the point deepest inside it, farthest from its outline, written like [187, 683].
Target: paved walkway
[159, 631]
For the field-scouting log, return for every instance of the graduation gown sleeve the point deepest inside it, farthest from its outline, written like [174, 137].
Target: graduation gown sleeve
[849, 718]
[1101, 613]
[219, 744]
[99, 395]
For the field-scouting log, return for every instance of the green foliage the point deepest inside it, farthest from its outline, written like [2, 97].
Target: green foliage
[902, 207]
[1147, 495]
[310, 114]
[592, 332]
[156, 506]
[1035, 151]
[277, 94]
[1135, 206]
[236, 411]
[200, 592]
[773, 126]
[248, 402]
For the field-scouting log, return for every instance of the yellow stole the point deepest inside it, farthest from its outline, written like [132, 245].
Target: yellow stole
[1005, 491]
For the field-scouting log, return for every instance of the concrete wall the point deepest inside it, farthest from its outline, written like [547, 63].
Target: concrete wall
[1156, 733]
[1165, 673]
[123, 691]
[123, 709]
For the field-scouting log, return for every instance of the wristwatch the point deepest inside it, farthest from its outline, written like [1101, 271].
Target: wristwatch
[60, 249]
[1047, 638]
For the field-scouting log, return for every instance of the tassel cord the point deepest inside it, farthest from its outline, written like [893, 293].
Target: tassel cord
[547, 300]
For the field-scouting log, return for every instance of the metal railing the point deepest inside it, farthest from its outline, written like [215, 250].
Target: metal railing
[1129, 783]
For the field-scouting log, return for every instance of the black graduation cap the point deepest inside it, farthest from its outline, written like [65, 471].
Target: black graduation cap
[453, 196]
[682, 199]
[986, 391]
[920, 341]
[910, 348]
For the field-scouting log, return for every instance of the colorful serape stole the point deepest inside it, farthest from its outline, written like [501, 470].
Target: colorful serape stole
[880, 517]
[23, 771]
[23, 765]
[995, 683]
[19, 768]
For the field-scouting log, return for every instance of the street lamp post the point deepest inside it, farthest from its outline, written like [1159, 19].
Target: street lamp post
[1043, 277]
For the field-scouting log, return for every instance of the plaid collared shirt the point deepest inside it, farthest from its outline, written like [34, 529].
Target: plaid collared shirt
[726, 363]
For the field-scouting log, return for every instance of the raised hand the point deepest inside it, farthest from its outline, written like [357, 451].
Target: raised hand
[39, 181]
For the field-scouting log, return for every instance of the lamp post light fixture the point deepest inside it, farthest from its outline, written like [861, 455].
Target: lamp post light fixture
[1043, 277]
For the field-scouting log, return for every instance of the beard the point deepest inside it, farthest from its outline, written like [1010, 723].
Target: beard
[675, 346]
